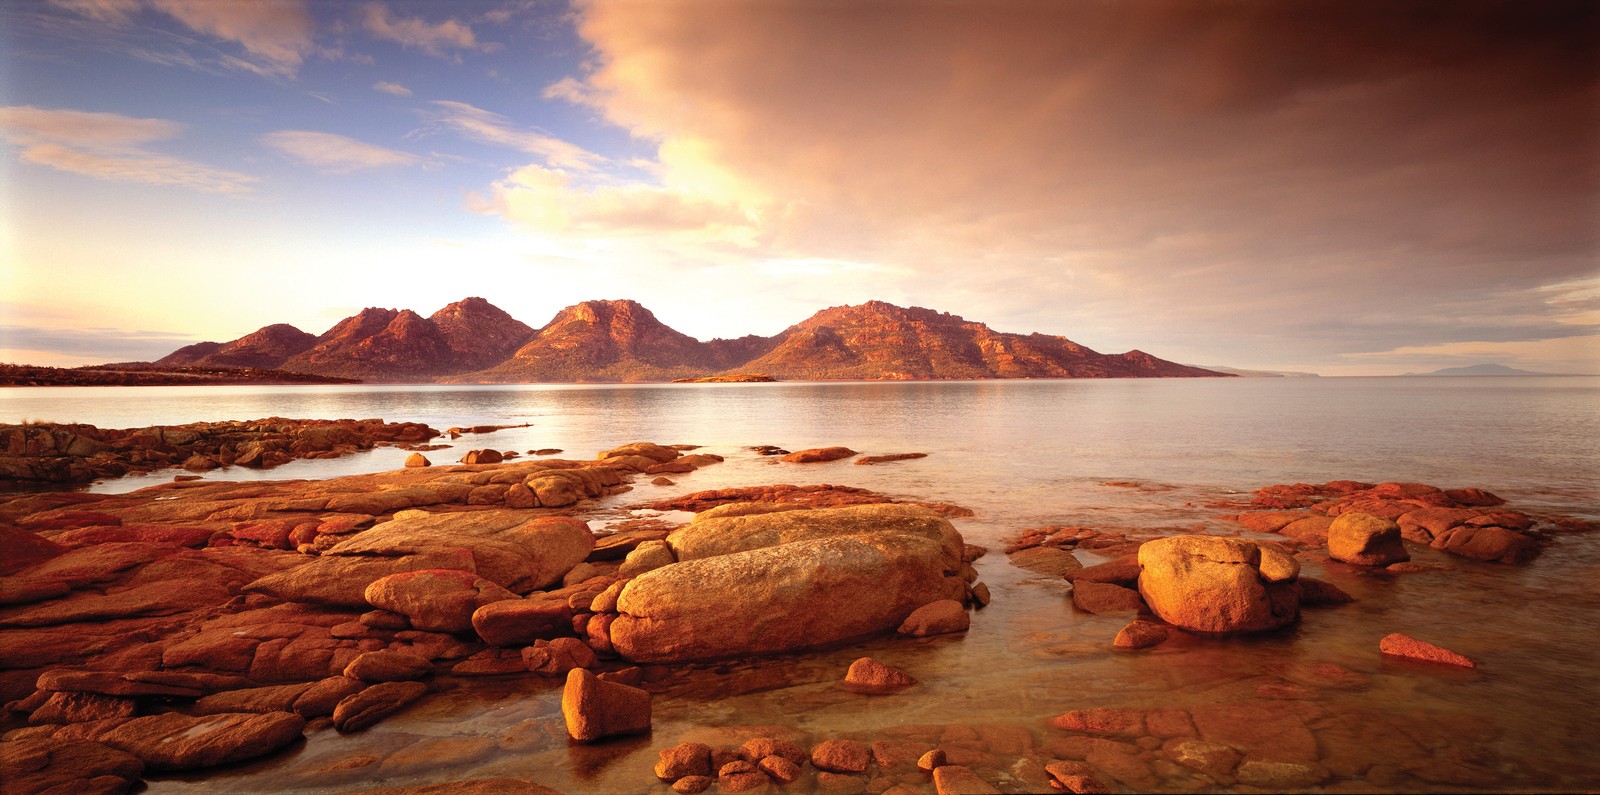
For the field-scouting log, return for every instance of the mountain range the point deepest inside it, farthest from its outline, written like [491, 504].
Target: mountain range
[473, 341]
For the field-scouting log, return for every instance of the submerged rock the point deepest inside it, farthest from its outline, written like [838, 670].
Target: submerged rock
[867, 675]
[1400, 645]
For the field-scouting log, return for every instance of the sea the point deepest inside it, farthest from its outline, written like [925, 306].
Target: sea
[1146, 457]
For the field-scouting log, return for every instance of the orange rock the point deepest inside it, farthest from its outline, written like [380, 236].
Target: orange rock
[441, 600]
[417, 460]
[684, 759]
[841, 756]
[367, 707]
[1219, 585]
[867, 675]
[1400, 645]
[1103, 598]
[595, 709]
[817, 455]
[1140, 635]
[1494, 544]
[1106, 721]
[1365, 540]
[940, 617]
[958, 780]
[520, 622]
[388, 665]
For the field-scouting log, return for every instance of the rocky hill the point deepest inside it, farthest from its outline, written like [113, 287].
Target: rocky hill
[472, 341]
[881, 341]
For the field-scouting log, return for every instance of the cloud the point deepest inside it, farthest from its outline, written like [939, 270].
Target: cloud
[549, 200]
[435, 39]
[391, 88]
[277, 34]
[1317, 178]
[335, 154]
[110, 147]
[35, 345]
[491, 128]
[113, 11]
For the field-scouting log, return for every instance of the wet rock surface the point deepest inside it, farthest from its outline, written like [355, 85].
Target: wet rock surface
[237, 616]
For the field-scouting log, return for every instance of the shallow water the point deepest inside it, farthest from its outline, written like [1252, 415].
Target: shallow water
[1024, 454]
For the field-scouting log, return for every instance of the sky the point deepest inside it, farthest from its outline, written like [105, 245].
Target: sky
[1345, 187]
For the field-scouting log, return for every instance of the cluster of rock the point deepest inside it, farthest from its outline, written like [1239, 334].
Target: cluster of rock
[75, 453]
[234, 617]
[835, 765]
[1469, 523]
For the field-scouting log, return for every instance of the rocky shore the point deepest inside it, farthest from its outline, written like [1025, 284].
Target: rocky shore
[51, 452]
[197, 625]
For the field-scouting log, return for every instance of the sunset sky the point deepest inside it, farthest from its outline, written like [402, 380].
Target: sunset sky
[1347, 187]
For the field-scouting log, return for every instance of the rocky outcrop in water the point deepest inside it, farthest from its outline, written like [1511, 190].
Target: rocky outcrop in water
[779, 582]
[1469, 523]
[75, 453]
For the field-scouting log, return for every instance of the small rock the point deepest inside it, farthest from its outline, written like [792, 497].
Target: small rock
[482, 457]
[781, 770]
[595, 709]
[1140, 635]
[841, 756]
[867, 675]
[932, 760]
[1406, 646]
[758, 748]
[417, 460]
[692, 785]
[684, 759]
[958, 780]
[936, 618]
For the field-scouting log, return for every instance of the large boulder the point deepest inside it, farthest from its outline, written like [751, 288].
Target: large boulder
[1365, 540]
[436, 600]
[510, 549]
[779, 582]
[1219, 586]
[706, 537]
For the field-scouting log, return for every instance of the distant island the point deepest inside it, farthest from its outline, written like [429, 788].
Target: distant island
[1256, 373]
[474, 342]
[1481, 369]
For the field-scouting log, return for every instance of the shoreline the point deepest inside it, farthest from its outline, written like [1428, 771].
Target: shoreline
[276, 528]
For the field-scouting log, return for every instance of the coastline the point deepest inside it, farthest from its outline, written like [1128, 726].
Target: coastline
[197, 524]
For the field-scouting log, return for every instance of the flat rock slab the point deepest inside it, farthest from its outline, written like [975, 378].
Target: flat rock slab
[171, 741]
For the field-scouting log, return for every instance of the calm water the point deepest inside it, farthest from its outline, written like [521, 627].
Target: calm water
[1022, 454]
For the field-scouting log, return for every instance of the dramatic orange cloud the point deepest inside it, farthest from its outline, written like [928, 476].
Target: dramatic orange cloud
[1349, 169]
